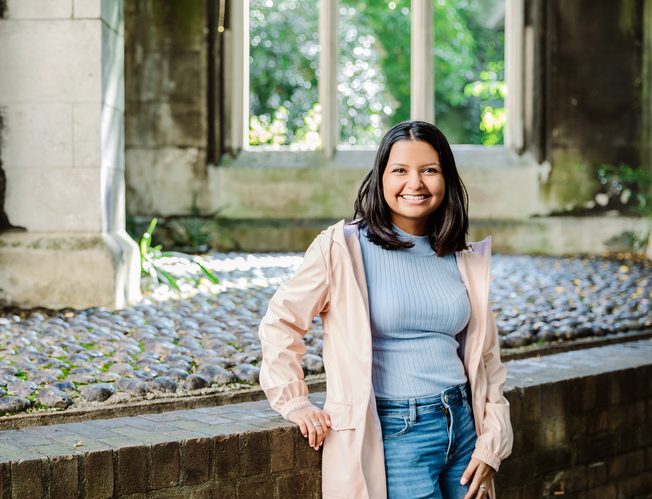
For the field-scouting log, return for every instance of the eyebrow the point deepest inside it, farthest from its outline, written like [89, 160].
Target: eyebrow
[420, 166]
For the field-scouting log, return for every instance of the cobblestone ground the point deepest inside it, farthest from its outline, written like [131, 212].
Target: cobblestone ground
[204, 339]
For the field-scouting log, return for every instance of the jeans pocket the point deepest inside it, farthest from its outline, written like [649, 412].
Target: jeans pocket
[394, 426]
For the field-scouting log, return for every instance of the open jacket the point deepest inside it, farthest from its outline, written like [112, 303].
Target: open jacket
[331, 282]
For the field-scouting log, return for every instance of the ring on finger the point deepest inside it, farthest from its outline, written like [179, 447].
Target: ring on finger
[316, 424]
[483, 487]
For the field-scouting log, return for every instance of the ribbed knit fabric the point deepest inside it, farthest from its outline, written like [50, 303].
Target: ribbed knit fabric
[417, 303]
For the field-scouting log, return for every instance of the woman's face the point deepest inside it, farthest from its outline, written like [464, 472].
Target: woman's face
[413, 184]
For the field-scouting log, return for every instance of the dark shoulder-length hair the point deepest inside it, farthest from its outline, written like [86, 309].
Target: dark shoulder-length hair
[447, 226]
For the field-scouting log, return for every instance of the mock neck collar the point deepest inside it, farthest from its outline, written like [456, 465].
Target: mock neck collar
[421, 243]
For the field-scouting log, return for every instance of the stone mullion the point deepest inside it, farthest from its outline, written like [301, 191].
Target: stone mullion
[329, 130]
[422, 78]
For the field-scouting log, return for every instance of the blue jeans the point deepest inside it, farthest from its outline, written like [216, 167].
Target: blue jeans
[428, 444]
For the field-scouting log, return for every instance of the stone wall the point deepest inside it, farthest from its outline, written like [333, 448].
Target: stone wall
[166, 104]
[581, 424]
[62, 105]
[587, 102]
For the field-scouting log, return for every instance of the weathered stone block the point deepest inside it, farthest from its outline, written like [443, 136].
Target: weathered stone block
[596, 474]
[195, 461]
[554, 400]
[583, 393]
[227, 457]
[86, 9]
[631, 463]
[131, 476]
[305, 485]
[635, 486]
[38, 135]
[605, 492]
[42, 197]
[224, 490]
[46, 48]
[306, 456]
[532, 404]
[86, 130]
[513, 469]
[39, 9]
[165, 465]
[27, 479]
[255, 487]
[600, 446]
[282, 449]
[254, 453]
[599, 422]
[98, 474]
[64, 479]
[509, 493]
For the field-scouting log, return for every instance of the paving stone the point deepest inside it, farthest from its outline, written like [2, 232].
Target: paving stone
[53, 397]
[97, 392]
[10, 404]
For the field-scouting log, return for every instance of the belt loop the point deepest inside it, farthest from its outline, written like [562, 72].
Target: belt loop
[413, 410]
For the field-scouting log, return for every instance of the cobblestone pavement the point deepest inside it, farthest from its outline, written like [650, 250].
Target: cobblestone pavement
[204, 339]
[149, 429]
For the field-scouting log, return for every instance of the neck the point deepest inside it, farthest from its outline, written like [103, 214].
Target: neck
[412, 227]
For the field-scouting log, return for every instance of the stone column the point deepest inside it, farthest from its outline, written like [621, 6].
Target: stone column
[62, 153]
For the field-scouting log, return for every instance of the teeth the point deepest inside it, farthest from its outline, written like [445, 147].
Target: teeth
[411, 197]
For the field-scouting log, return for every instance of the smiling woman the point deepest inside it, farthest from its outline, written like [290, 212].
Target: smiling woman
[414, 402]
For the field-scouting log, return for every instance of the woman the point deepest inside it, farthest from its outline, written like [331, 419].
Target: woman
[414, 404]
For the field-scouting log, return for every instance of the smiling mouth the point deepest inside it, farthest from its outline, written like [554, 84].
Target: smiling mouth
[411, 197]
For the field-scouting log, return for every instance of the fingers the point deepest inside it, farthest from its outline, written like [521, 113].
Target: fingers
[468, 473]
[479, 474]
[313, 423]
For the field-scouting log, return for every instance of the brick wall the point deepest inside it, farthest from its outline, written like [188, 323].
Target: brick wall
[585, 437]
[581, 422]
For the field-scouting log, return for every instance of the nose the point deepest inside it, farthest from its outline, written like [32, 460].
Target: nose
[414, 180]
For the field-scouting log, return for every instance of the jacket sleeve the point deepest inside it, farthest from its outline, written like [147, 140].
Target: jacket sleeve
[495, 442]
[288, 318]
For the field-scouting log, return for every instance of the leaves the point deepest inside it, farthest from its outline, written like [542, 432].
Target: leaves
[374, 70]
[150, 256]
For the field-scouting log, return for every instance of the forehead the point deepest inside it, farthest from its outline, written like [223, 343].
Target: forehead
[412, 152]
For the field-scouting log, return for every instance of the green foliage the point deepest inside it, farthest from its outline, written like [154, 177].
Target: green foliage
[629, 187]
[284, 57]
[374, 70]
[150, 257]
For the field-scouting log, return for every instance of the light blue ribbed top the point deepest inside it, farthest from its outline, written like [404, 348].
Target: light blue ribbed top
[417, 304]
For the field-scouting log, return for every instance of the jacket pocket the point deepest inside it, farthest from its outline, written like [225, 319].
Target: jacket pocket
[341, 415]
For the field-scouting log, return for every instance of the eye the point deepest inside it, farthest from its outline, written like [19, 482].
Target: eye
[430, 169]
[398, 169]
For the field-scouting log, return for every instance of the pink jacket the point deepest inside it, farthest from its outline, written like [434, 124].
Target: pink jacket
[331, 283]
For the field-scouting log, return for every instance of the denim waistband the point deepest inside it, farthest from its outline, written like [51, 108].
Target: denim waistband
[452, 395]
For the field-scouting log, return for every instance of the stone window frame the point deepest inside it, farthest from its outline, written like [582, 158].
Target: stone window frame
[422, 94]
